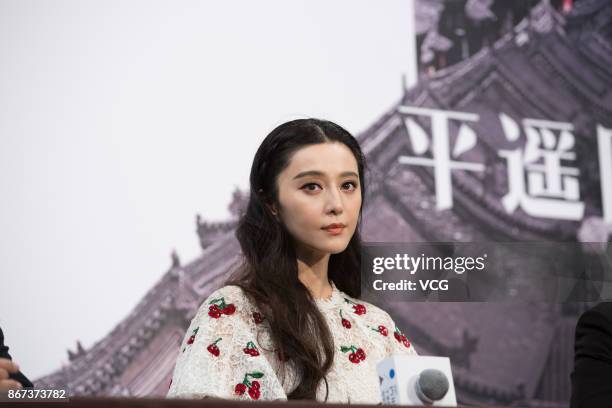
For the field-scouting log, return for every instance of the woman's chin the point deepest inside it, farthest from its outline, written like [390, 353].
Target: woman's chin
[334, 248]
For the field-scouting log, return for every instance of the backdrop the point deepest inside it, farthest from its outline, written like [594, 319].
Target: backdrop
[122, 123]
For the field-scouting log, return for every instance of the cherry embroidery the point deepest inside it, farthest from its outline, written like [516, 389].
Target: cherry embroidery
[191, 338]
[251, 349]
[345, 322]
[358, 308]
[218, 307]
[257, 318]
[252, 386]
[229, 309]
[213, 348]
[214, 311]
[357, 354]
[381, 329]
[405, 341]
[401, 338]
[254, 390]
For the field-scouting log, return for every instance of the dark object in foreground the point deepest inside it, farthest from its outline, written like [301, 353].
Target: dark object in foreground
[5, 354]
[592, 375]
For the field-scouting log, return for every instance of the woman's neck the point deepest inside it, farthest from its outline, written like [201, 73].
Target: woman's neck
[312, 272]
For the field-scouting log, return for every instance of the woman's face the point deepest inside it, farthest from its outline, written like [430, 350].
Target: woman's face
[318, 188]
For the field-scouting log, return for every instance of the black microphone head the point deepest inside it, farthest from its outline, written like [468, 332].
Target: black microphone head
[431, 386]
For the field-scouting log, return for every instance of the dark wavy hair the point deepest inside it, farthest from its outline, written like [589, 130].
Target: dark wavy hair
[269, 271]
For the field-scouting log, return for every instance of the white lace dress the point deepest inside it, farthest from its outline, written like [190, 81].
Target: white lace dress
[227, 351]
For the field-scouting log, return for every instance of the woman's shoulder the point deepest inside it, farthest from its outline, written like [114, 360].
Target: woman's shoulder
[230, 291]
[226, 300]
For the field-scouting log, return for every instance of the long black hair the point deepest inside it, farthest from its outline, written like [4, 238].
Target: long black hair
[269, 272]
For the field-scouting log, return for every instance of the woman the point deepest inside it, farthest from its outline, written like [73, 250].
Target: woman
[290, 325]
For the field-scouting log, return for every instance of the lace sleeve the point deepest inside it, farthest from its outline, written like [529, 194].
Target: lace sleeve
[398, 343]
[219, 356]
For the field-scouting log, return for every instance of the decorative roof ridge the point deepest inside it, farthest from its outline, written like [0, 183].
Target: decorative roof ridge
[209, 231]
[140, 328]
[168, 284]
[81, 377]
[136, 322]
[214, 226]
[369, 133]
[585, 91]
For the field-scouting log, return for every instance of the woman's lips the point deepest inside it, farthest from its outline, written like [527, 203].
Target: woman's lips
[334, 230]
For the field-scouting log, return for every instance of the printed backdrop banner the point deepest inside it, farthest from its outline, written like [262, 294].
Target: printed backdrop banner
[506, 138]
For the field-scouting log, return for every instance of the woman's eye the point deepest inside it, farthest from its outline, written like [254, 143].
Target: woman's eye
[311, 186]
[350, 185]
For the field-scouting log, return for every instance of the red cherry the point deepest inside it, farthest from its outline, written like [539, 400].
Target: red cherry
[405, 341]
[213, 349]
[214, 312]
[251, 351]
[240, 389]
[229, 309]
[254, 393]
[397, 336]
[346, 323]
[255, 384]
[354, 358]
[383, 330]
[257, 317]
[359, 309]
[361, 354]
[191, 339]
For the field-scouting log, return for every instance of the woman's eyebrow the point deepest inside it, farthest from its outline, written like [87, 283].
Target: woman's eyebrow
[320, 173]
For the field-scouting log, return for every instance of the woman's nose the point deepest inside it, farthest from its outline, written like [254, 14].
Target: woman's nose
[334, 202]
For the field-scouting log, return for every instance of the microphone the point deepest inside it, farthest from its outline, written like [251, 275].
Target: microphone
[417, 380]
